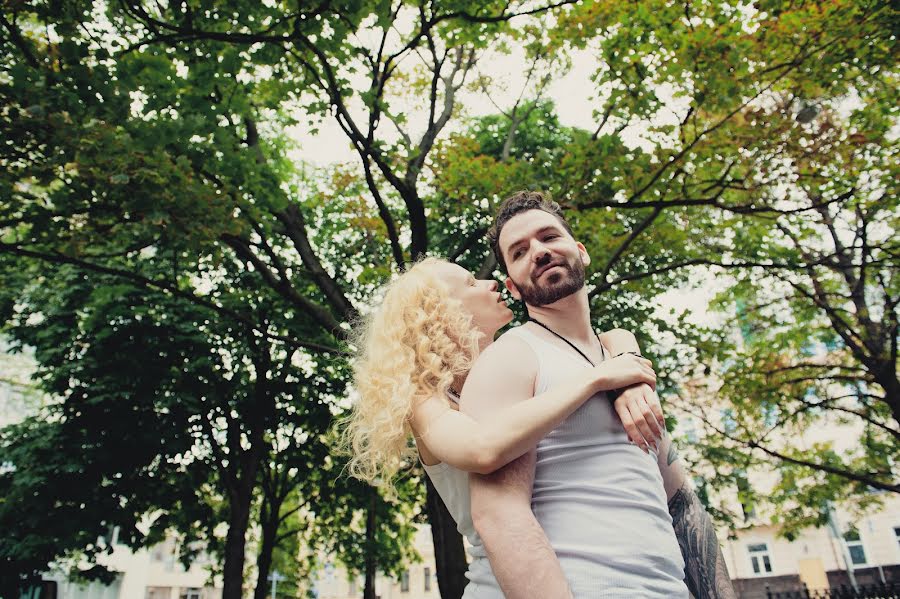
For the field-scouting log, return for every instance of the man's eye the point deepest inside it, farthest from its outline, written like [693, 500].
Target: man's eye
[549, 237]
[516, 254]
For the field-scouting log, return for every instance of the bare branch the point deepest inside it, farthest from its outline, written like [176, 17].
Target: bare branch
[295, 227]
[283, 286]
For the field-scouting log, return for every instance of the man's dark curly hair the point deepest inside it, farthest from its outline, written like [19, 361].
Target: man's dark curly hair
[515, 204]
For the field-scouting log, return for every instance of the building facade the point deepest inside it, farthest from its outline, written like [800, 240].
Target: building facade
[153, 573]
[418, 581]
[869, 548]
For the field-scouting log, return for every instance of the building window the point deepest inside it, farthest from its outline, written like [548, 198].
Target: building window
[427, 579]
[404, 582]
[46, 589]
[897, 534]
[353, 589]
[158, 593]
[189, 594]
[759, 558]
[855, 547]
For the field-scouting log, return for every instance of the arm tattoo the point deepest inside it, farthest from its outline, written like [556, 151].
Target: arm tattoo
[704, 565]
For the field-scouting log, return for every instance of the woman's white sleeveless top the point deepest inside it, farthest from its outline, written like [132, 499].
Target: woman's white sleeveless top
[453, 487]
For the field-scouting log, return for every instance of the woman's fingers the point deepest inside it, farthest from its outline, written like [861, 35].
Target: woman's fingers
[648, 376]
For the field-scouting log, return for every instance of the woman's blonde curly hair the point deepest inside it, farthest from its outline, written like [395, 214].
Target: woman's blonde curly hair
[410, 348]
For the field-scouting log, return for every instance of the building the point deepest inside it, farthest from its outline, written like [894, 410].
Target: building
[419, 581]
[19, 397]
[153, 573]
[758, 557]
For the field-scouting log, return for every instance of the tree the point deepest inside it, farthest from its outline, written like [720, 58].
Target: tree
[153, 154]
[767, 143]
[56, 461]
[158, 75]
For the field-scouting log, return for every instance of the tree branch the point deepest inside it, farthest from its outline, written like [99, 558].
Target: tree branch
[283, 286]
[635, 233]
[295, 227]
[19, 41]
[865, 478]
[56, 258]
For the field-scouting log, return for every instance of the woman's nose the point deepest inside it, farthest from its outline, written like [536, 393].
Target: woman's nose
[492, 285]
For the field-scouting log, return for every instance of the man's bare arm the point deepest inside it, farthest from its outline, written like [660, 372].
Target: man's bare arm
[521, 557]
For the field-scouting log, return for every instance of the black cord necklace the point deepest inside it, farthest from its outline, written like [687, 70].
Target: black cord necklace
[572, 345]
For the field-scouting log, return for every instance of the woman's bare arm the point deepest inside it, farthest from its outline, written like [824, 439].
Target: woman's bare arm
[459, 440]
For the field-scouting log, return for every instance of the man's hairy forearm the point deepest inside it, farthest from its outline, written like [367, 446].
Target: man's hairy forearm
[521, 557]
[704, 565]
[523, 561]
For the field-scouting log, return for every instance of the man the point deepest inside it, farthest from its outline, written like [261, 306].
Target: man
[587, 514]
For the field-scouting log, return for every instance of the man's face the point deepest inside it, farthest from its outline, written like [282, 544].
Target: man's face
[544, 262]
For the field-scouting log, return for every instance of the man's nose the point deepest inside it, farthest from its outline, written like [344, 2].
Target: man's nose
[540, 252]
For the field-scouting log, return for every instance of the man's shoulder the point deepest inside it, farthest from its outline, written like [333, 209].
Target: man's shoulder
[503, 374]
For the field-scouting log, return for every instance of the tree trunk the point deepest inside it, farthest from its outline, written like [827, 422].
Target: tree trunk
[235, 544]
[369, 592]
[418, 223]
[887, 378]
[266, 549]
[449, 553]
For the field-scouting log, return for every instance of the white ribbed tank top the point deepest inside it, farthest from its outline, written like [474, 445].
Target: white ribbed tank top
[599, 499]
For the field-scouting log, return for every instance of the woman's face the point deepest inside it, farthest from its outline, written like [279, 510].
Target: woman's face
[481, 298]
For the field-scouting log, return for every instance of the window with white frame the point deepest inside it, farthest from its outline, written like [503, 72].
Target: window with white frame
[897, 535]
[855, 547]
[427, 579]
[189, 594]
[759, 558]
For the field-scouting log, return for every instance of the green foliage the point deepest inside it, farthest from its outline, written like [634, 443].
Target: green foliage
[185, 286]
[769, 160]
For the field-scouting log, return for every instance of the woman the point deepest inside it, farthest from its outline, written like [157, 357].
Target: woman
[414, 354]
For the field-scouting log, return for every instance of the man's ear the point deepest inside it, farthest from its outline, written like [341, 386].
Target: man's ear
[585, 257]
[513, 290]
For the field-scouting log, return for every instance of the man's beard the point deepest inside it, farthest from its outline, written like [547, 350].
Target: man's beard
[558, 285]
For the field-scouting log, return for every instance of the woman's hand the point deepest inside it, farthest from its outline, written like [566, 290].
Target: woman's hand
[639, 409]
[624, 371]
